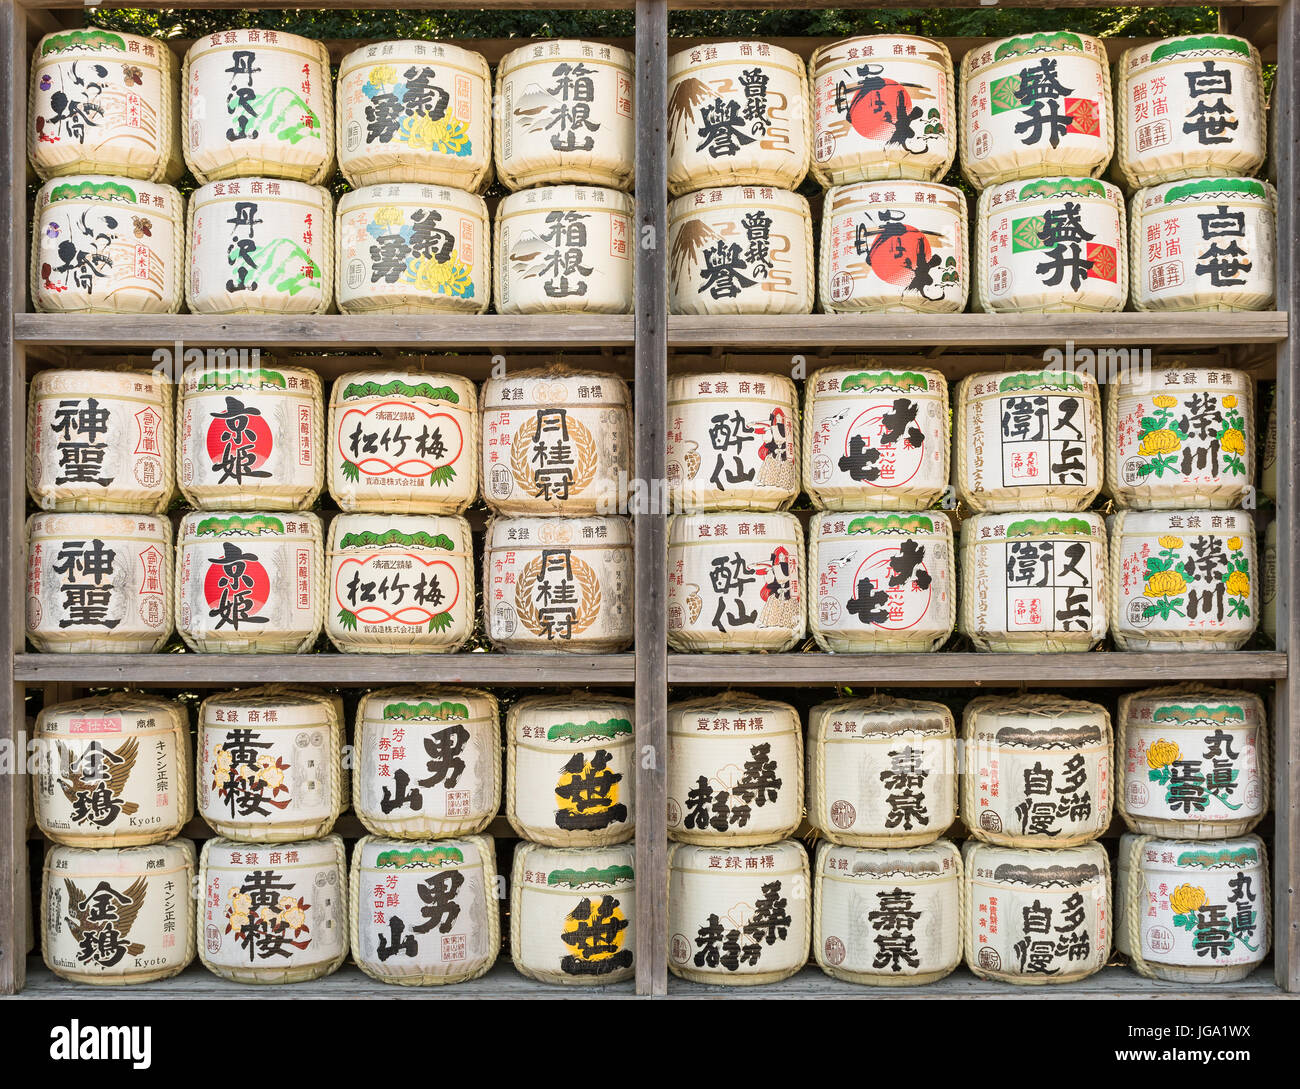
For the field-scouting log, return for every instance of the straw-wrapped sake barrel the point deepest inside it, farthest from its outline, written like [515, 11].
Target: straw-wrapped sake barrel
[273, 914]
[1268, 582]
[103, 245]
[564, 113]
[414, 111]
[120, 915]
[738, 114]
[883, 107]
[428, 761]
[114, 771]
[99, 583]
[572, 913]
[258, 102]
[424, 914]
[887, 918]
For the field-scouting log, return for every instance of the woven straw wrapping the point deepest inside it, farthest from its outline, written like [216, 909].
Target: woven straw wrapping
[1268, 582]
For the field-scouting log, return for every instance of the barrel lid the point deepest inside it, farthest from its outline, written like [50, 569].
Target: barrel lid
[367, 532]
[865, 863]
[405, 384]
[153, 197]
[1021, 524]
[705, 200]
[612, 531]
[1217, 854]
[213, 524]
[867, 524]
[556, 385]
[418, 194]
[402, 50]
[870, 379]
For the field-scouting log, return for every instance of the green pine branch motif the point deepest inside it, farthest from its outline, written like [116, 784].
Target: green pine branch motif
[418, 539]
[397, 387]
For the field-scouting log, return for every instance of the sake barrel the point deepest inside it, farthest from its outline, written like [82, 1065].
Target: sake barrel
[1051, 246]
[883, 108]
[413, 249]
[888, 918]
[1268, 447]
[400, 584]
[119, 915]
[733, 442]
[735, 582]
[564, 249]
[99, 583]
[572, 769]
[103, 103]
[258, 102]
[1028, 439]
[250, 438]
[1194, 761]
[564, 113]
[273, 914]
[556, 585]
[270, 763]
[414, 111]
[428, 761]
[1183, 580]
[738, 114]
[735, 770]
[403, 442]
[1189, 107]
[113, 771]
[573, 913]
[741, 250]
[1180, 437]
[1268, 582]
[738, 916]
[1036, 916]
[424, 914]
[260, 246]
[101, 440]
[875, 439]
[1205, 244]
[1034, 583]
[103, 245]
[1035, 105]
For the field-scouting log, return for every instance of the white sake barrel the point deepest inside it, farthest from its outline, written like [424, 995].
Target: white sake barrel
[1268, 582]
[258, 102]
[1183, 580]
[875, 439]
[413, 249]
[101, 441]
[739, 113]
[260, 246]
[1205, 244]
[735, 770]
[399, 584]
[250, 439]
[1034, 583]
[1268, 454]
[1036, 916]
[114, 771]
[556, 585]
[893, 248]
[270, 764]
[556, 441]
[99, 583]
[119, 915]
[1181, 437]
[1189, 107]
[736, 582]
[1051, 246]
[428, 761]
[564, 113]
[573, 913]
[424, 914]
[104, 103]
[1028, 439]
[250, 583]
[273, 914]
[103, 245]
[563, 249]
[1194, 761]
[1036, 770]
[572, 769]
[743, 250]
[882, 772]
[733, 442]
[888, 918]
[414, 111]
[1035, 105]
[883, 107]
[403, 442]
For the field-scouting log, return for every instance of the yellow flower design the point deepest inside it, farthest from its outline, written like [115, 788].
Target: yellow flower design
[446, 278]
[1187, 898]
[268, 773]
[382, 74]
[1162, 754]
[1238, 584]
[1234, 543]
[1165, 584]
[1163, 441]
[1230, 401]
[1233, 441]
[240, 905]
[291, 915]
[389, 216]
[1163, 400]
[1171, 542]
